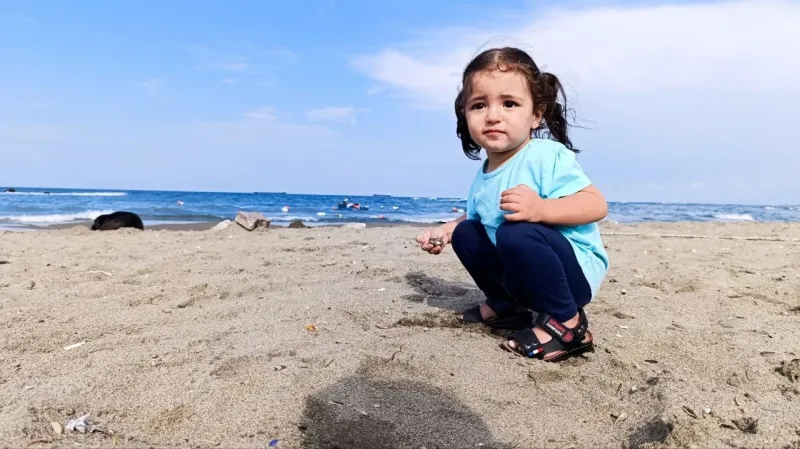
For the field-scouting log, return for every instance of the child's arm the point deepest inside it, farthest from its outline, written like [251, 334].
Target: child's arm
[450, 226]
[583, 207]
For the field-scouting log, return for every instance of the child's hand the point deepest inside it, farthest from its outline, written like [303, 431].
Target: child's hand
[433, 240]
[523, 203]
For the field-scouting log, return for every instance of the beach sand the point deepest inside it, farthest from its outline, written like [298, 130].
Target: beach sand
[200, 339]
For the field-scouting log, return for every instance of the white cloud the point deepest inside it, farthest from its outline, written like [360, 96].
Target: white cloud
[229, 81]
[262, 113]
[737, 45]
[152, 86]
[341, 114]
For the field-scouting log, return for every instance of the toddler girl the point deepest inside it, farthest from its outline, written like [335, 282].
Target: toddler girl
[529, 238]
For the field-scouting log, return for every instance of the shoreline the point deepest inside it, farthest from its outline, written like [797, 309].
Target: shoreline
[207, 225]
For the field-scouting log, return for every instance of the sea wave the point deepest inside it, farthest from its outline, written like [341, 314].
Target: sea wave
[66, 193]
[288, 218]
[88, 215]
[735, 217]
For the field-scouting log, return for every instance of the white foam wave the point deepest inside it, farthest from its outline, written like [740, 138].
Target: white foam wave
[67, 193]
[735, 217]
[88, 215]
[424, 218]
[292, 218]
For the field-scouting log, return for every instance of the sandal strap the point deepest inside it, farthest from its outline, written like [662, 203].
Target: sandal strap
[527, 343]
[473, 315]
[564, 334]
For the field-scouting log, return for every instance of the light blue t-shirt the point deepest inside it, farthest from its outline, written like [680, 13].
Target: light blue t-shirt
[551, 170]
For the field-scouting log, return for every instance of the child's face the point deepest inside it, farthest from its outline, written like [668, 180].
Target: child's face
[500, 111]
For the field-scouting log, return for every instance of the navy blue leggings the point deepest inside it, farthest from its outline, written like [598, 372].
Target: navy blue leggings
[532, 265]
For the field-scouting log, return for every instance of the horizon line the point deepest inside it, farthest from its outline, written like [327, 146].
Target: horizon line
[238, 192]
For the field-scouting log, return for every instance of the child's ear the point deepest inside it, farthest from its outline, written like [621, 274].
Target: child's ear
[537, 118]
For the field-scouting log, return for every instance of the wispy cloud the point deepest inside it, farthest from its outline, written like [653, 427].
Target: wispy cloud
[621, 49]
[152, 86]
[210, 59]
[340, 114]
[229, 81]
[251, 59]
[23, 19]
[262, 113]
[283, 53]
[256, 127]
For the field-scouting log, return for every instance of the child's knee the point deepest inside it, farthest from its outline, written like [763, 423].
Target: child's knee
[465, 232]
[511, 235]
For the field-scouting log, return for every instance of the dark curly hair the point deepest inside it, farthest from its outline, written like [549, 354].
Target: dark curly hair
[546, 90]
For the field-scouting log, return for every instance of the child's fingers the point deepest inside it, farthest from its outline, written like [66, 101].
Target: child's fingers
[510, 207]
[511, 198]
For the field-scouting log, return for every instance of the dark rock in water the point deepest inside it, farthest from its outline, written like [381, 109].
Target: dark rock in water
[252, 220]
[11, 190]
[116, 220]
[297, 224]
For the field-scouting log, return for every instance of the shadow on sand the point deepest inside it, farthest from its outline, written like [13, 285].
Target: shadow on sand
[442, 294]
[363, 412]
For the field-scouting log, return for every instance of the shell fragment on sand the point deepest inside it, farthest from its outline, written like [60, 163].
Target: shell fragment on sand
[76, 345]
[82, 425]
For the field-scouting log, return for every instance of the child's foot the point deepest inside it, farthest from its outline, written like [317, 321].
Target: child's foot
[552, 341]
[484, 314]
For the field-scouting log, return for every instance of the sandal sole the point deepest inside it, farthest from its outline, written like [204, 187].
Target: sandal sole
[582, 349]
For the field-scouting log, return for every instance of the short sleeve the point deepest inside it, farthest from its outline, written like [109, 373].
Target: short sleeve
[563, 176]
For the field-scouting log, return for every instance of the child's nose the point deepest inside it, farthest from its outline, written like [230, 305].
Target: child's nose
[493, 114]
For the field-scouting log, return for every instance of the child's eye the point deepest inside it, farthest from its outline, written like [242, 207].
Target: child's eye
[477, 106]
[510, 104]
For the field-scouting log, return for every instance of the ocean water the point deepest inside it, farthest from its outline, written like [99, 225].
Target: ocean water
[45, 207]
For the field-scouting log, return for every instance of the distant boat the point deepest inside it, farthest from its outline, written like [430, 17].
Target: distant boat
[381, 195]
[345, 204]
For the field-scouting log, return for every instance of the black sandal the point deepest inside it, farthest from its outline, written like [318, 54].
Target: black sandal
[565, 340]
[513, 320]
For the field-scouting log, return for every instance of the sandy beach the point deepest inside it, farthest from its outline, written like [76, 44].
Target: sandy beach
[344, 338]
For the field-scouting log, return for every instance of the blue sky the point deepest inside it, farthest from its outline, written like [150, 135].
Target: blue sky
[683, 101]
